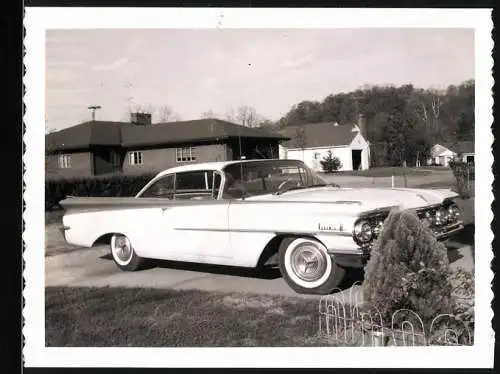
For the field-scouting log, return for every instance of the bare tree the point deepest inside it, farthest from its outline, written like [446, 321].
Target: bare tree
[247, 116]
[208, 114]
[167, 114]
[143, 108]
[230, 115]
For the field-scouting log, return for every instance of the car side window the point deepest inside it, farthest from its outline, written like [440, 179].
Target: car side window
[200, 184]
[162, 188]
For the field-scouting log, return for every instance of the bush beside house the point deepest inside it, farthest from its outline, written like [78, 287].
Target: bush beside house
[330, 163]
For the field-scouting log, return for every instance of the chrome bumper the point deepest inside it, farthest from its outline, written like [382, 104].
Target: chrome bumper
[448, 231]
[357, 257]
[63, 229]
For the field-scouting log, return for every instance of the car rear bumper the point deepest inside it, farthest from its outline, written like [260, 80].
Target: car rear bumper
[63, 230]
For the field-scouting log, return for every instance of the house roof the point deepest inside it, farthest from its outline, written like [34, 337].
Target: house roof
[86, 134]
[324, 134]
[190, 131]
[126, 134]
[460, 147]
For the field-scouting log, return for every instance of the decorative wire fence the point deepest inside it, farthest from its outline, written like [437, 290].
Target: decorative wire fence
[346, 320]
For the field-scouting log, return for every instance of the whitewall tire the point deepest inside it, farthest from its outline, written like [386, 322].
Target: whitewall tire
[124, 255]
[307, 267]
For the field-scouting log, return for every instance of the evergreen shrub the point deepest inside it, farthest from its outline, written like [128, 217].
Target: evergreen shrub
[408, 269]
[330, 163]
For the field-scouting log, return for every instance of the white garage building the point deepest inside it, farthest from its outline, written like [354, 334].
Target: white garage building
[442, 154]
[311, 143]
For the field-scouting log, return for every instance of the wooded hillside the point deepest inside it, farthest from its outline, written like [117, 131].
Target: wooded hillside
[402, 122]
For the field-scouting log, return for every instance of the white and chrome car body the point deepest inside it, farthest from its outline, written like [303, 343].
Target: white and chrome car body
[244, 225]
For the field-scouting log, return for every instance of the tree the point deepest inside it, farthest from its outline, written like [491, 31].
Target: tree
[247, 116]
[167, 114]
[330, 163]
[208, 114]
[268, 124]
[408, 269]
[138, 108]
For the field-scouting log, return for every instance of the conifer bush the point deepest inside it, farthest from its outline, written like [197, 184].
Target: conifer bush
[330, 163]
[408, 269]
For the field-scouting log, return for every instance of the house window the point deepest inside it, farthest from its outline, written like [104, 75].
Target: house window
[185, 154]
[64, 161]
[135, 158]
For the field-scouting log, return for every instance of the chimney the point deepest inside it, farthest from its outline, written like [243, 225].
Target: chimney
[362, 125]
[140, 119]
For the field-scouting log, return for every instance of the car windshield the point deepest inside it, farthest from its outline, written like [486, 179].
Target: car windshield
[266, 177]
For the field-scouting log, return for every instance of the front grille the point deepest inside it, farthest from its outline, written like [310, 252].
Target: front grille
[437, 218]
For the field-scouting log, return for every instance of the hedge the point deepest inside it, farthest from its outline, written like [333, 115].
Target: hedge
[112, 186]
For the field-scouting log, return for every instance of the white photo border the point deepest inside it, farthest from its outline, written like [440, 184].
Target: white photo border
[38, 20]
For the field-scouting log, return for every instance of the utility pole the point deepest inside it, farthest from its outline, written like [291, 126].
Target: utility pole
[93, 108]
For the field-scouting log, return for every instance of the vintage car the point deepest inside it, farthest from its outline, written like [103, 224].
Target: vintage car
[252, 213]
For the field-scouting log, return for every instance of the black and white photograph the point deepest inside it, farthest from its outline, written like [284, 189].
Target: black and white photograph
[280, 179]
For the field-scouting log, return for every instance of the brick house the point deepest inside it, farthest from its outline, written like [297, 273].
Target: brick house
[104, 147]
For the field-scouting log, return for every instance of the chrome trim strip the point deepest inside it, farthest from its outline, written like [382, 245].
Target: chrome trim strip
[311, 233]
[354, 252]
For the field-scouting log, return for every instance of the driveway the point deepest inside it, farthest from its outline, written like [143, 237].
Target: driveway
[94, 267]
[71, 266]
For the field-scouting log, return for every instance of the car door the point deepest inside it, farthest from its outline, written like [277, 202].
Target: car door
[197, 220]
[145, 227]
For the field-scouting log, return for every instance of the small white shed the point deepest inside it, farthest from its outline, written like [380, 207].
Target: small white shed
[311, 143]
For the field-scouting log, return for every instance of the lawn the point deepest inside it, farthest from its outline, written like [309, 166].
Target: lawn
[378, 172]
[126, 317]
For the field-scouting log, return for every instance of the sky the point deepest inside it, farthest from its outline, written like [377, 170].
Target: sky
[199, 70]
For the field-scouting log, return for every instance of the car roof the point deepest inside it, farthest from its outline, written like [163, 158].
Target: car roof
[217, 165]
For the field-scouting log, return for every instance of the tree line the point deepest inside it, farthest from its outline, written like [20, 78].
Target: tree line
[402, 122]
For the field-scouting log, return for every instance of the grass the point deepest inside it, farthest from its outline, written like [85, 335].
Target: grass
[126, 317]
[387, 172]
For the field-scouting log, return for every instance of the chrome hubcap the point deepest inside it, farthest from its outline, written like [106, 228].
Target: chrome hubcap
[123, 250]
[308, 262]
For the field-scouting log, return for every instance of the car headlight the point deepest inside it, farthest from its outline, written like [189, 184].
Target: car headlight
[441, 216]
[363, 232]
[454, 212]
[378, 228]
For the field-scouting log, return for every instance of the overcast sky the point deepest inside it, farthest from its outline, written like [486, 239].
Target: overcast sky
[194, 71]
